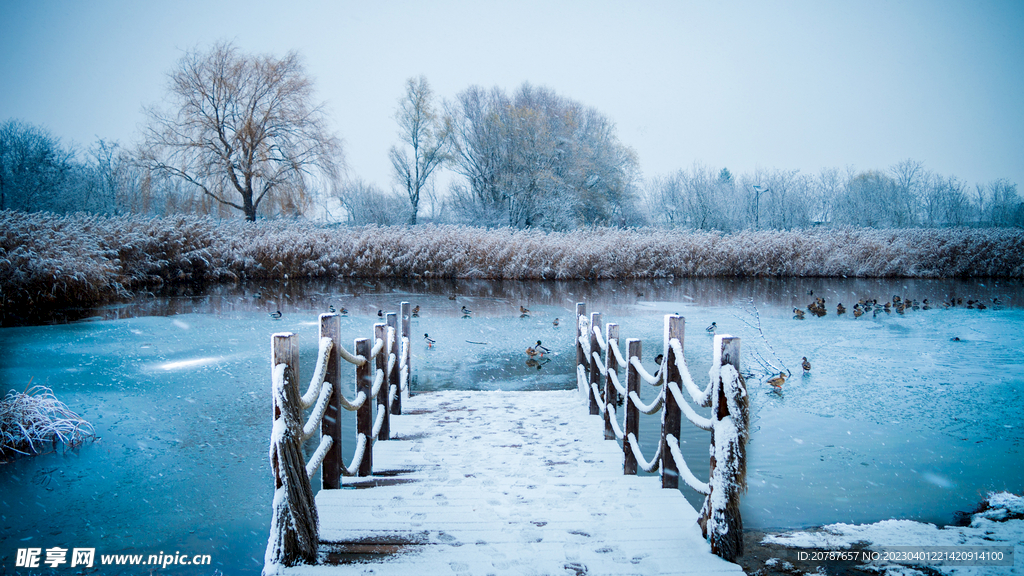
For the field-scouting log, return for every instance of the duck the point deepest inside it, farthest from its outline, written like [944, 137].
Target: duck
[524, 310]
[331, 309]
[980, 305]
[276, 315]
[840, 309]
[452, 297]
[380, 313]
[857, 312]
[798, 313]
[430, 341]
[712, 327]
[541, 348]
[658, 359]
[466, 311]
[258, 294]
[531, 352]
[343, 310]
[416, 311]
[806, 365]
[926, 305]
[778, 381]
[555, 323]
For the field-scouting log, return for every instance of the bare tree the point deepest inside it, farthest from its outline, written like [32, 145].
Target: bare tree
[35, 168]
[244, 129]
[421, 132]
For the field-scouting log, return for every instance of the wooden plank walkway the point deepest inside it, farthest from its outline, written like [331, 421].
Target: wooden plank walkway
[505, 483]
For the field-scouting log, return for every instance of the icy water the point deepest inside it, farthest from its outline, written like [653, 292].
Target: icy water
[895, 419]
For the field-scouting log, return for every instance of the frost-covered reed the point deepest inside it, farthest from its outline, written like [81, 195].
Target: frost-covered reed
[34, 419]
[48, 259]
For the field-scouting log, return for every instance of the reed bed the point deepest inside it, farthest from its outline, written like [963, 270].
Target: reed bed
[55, 260]
[34, 419]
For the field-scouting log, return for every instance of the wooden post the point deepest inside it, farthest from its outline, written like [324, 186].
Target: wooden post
[330, 475]
[406, 355]
[728, 543]
[595, 372]
[364, 416]
[284, 349]
[611, 394]
[293, 525]
[670, 417]
[632, 414]
[581, 311]
[392, 376]
[380, 332]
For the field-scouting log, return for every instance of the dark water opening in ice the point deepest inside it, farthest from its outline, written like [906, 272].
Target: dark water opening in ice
[895, 419]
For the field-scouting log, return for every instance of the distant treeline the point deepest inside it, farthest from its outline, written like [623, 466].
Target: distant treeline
[49, 260]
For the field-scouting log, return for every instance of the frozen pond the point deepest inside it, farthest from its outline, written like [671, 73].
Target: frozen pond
[895, 420]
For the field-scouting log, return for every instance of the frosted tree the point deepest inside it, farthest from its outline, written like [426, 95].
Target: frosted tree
[244, 130]
[424, 142]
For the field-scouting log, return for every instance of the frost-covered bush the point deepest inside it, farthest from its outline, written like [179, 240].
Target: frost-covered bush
[53, 260]
[33, 419]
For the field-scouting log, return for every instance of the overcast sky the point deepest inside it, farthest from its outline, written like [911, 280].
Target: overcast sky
[793, 85]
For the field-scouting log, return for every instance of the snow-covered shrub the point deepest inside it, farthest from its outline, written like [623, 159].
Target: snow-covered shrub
[33, 419]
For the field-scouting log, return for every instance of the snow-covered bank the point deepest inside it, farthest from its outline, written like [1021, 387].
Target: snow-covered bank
[999, 523]
[52, 260]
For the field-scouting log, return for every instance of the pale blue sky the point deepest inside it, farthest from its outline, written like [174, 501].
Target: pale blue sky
[794, 85]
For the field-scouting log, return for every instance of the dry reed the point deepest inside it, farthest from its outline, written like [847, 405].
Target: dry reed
[52, 260]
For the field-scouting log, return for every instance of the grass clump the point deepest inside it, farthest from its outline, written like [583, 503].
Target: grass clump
[33, 419]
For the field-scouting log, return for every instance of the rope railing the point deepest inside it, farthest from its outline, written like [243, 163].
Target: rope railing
[725, 394]
[294, 526]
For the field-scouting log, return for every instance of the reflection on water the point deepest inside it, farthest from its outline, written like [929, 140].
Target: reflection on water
[896, 419]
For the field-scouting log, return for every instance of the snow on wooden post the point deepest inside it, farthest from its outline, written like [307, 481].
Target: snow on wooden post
[364, 416]
[610, 393]
[632, 414]
[720, 519]
[670, 416]
[595, 372]
[330, 475]
[294, 534]
[380, 332]
[392, 376]
[581, 312]
[406, 342]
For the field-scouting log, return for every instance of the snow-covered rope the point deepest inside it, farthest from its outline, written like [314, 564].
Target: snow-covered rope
[646, 466]
[613, 418]
[318, 457]
[313, 391]
[378, 345]
[313, 423]
[355, 404]
[615, 382]
[618, 355]
[581, 379]
[379, 422]
[597, 398]
[600, 364]
[700, 397]
[351, 359]
[645, 408]
[391, 362]
[684, 470]
[600, 341]
[696, 419]
[654, 379]
[392, 392]
[378, 379]
[357, 458]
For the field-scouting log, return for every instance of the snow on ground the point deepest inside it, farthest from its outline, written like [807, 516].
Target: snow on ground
[1001, 523]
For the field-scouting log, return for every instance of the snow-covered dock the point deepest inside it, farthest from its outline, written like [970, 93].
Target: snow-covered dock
[505, 483]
